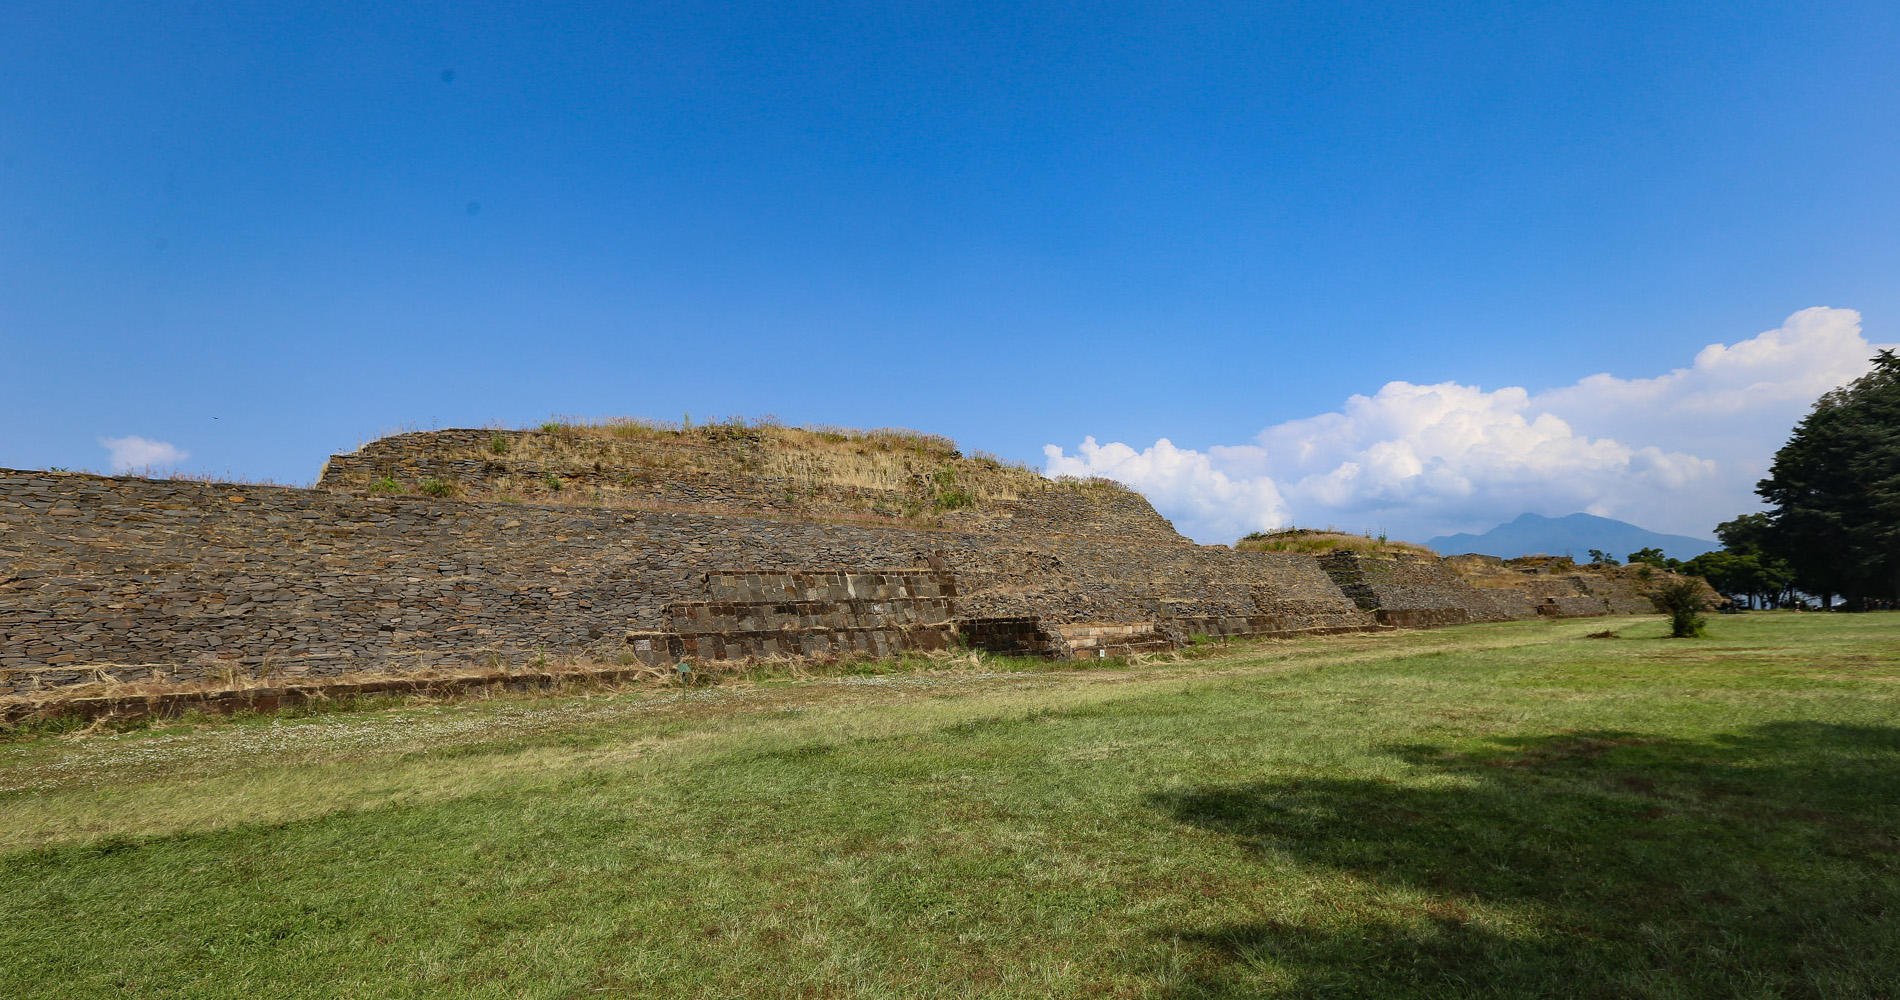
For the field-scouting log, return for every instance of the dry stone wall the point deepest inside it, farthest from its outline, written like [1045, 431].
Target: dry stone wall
[1554, 588]
[1409, 590]
[1415, 591]
[806, 614]
[120, 578]
[129, 579]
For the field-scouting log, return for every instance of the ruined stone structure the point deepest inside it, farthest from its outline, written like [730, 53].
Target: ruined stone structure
[472, 548]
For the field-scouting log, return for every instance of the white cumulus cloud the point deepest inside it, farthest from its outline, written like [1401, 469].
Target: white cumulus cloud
[1677, 452]
[133, 453]
[1183, 483]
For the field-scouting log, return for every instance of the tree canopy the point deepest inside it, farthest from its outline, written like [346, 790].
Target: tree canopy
[1835, 490]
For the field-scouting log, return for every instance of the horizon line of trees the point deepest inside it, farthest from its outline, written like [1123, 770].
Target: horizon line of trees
[1741, 569]
[1833, 527]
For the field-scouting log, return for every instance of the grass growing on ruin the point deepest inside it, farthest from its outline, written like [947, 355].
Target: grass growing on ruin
[1318, 541]
[1500, 810]
[883, 474]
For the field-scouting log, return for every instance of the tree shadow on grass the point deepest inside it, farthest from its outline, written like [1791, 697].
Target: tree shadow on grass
[1599, 864]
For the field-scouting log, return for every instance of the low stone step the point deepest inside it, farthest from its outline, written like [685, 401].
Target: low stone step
[1581, 606]
[734, 616]
[1087, 635]
[1157, 643]
[1021, 636]
[1099, 640]
[746, 587]
[667, 648]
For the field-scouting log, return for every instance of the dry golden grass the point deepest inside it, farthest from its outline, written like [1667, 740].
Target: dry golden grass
[815, 437]
[1496, 574]
[1319, 541]
[754, 467]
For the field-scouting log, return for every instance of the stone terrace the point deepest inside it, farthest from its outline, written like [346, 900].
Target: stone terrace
[650, 550]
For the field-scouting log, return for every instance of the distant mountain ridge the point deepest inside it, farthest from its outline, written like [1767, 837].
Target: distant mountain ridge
[1575, 535]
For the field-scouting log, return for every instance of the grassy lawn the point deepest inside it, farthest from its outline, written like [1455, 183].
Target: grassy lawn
[1493, 810]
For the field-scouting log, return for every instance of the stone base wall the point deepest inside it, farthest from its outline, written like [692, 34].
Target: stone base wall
[1576, 606]
[1527, 587]
[1023, 636]
[806, 615]
[1101, 640]
[818, 643]
[1423, 617]
[128, 579]
[1499, 605]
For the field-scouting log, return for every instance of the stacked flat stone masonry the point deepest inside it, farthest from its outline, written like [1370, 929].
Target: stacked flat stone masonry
[121, 578]
[130, 579]
[1410, 590]
[1541, 586]
[812, 615]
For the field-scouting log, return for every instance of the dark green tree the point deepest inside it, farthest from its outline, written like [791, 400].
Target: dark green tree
[1653, 556]
[1744, 566]
[1835, 490]
[1750, 575]
[1747, 534]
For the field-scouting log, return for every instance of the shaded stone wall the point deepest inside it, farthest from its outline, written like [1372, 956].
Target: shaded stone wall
[1415, 591]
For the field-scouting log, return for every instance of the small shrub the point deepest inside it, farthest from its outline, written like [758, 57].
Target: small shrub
[498, 444]
[438, 487]
[385, 484]
[1683, 602]
[553, 482]
[954, 500]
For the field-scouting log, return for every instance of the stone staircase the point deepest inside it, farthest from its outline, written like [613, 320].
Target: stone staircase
[806, 614]
[1095, 640]
[830, 614]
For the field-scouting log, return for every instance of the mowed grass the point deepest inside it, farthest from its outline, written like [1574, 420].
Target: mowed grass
[1498, 810]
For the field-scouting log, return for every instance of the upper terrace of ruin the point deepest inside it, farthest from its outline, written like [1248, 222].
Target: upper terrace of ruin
[880, 477]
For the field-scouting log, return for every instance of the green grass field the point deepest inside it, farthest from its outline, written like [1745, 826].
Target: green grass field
[1495, 810]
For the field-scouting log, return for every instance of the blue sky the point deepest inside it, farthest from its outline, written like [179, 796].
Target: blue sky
[261, 233]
